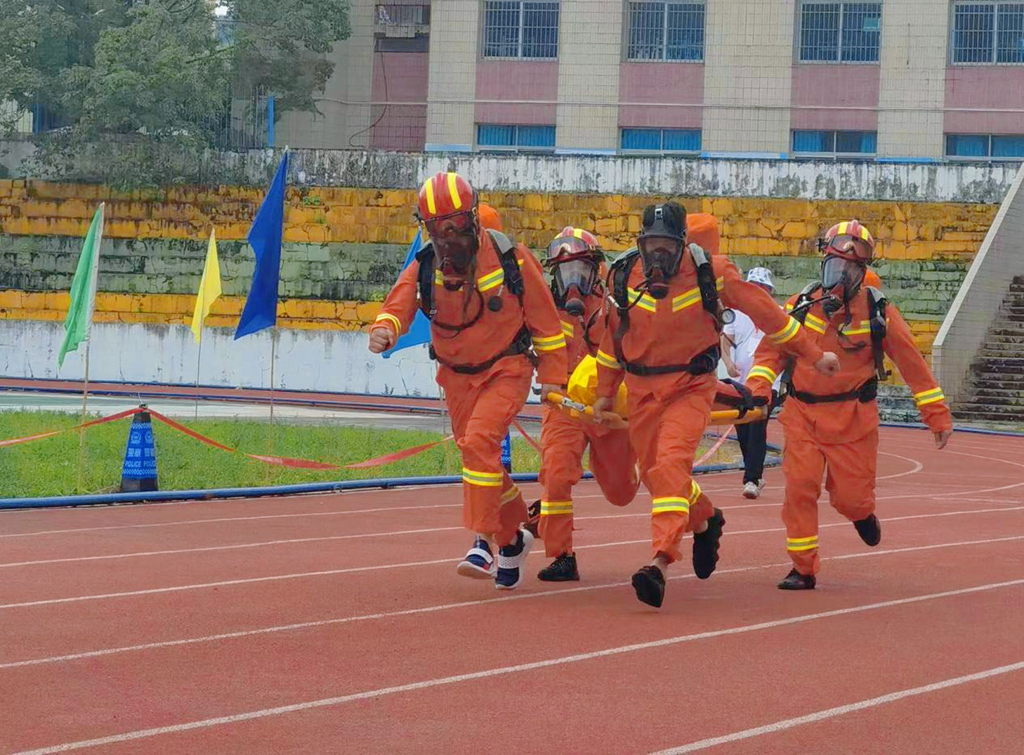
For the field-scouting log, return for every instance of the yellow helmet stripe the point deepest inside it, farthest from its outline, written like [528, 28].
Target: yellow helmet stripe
[453, 189]
[428, 188]
[842, 229]
[577, 232]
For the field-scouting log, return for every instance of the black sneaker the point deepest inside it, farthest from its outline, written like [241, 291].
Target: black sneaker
[797, 581]
[533, 519]
[562, 569]
[649, 584]
[705, 546]
[870, 530]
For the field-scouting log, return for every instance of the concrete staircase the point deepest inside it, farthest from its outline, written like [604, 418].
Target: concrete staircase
[996, 388]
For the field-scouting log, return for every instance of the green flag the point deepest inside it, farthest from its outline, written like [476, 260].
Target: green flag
[83, 289]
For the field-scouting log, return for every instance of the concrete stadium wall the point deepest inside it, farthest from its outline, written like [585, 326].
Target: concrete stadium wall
[587, 174]
[328, 361]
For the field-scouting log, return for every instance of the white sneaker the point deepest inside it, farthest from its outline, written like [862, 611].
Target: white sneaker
[753, 489]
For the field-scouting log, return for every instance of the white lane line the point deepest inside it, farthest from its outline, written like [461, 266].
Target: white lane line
[228, 519]
[916, 466]
[331, 702]
[466, 604]
[960, 512]
[239, 546]
[434, 562]
[842, 710]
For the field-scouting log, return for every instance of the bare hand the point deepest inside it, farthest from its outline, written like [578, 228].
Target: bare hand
[602, 407]
[381, 339]
[828, 365]
[733, 370]
[941, 439]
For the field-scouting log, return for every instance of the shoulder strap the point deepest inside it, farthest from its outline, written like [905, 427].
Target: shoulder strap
[619, 274]
[705, 281]
[876, 318]
[506, 248]
[800, 315]
[425, 258]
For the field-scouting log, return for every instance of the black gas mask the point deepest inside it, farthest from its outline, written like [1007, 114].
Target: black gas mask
[661, 245]
[574, 273]
[841, 279]
[456, 241]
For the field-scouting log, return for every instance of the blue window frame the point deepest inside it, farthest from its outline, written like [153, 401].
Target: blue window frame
[987, 32]
[521, 29]
[512, 138]
[661, 140]
[661, 30]
[985, 146]
[835, 143]
[840, 32]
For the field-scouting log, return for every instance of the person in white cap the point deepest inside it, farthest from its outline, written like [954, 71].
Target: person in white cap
[740, 339]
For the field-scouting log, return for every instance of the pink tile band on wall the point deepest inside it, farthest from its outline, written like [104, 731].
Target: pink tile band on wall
[659, 84]
[829, 86]
[503, 86]
[400, 77]
[984, 88]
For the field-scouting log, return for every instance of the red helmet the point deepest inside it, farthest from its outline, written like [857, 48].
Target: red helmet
[447, 202]
[851, 241]
[573, 244]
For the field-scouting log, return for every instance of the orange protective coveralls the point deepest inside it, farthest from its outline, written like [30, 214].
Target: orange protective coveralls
[564, 440]
[840, 439]
[668, 413]
[482, 405]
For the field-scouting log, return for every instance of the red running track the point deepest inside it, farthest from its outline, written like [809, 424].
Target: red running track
[338, 624]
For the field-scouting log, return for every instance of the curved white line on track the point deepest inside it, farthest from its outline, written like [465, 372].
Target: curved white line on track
[429, 530]
[917, 466]
[841, 710]
[332, 702]
[383, 567]
[470, 604]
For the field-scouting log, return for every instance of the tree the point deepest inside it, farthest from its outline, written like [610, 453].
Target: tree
[136, 91]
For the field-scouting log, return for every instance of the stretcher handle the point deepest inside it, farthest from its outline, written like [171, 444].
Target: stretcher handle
[610, 419]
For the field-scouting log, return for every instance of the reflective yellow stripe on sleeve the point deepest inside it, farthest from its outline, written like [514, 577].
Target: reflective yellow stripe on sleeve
[929, 397]
[763, 372]
[608, 361]
[787, 333]
[549, 343]
[385, 317]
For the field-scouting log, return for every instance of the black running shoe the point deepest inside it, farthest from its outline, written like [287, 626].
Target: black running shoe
[705, 546]
[797, 581]
[870, 530]
[562, 569]
[649, 584]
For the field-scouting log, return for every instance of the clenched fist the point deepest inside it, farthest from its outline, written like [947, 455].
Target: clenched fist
[828, 364]
[381, 339]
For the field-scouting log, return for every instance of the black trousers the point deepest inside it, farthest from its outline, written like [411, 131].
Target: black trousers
[753, 438]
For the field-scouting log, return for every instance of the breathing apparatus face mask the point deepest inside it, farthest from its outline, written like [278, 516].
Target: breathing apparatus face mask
[455, 240]
[661, 257]
[840, 281]
[572, 282]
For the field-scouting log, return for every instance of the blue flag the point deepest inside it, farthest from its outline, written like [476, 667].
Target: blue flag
[265, 238]
[419, 331]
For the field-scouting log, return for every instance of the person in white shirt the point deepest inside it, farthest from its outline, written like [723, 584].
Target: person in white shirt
[740, 339]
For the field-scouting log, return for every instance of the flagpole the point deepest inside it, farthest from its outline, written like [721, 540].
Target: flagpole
[81, 433]
[199, 362]
[273, 359]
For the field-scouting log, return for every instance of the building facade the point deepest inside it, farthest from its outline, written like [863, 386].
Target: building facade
[898, 80]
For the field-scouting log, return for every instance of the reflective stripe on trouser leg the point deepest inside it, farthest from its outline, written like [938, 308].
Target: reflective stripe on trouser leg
[803, 463]
[555, 528]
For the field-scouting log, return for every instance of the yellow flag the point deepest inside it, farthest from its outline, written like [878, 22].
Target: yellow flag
[209, 287]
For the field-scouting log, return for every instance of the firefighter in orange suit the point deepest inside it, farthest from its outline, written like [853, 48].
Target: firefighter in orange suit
[492, 318]
[831, 427]
[577, 268]
[662, 337]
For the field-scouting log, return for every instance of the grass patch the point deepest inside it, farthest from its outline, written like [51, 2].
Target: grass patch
[50, 467]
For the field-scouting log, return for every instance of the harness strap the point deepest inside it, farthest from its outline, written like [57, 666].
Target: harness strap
[702, 364]
[865, 394]
[521, 344]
